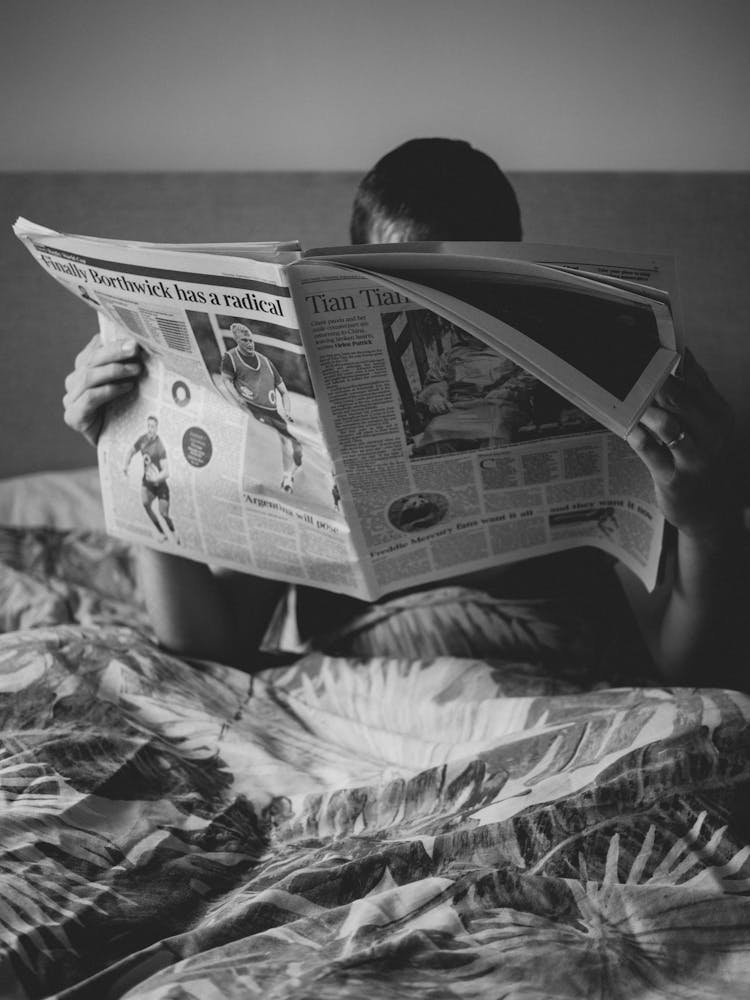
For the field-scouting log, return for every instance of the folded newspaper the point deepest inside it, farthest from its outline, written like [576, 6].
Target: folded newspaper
[367, 419]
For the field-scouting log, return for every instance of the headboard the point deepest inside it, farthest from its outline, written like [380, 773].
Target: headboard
[703, 219]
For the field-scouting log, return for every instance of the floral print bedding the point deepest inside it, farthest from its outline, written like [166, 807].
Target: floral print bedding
[346, 826]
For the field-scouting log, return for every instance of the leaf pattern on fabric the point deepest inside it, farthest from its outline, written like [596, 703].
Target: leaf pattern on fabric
[352, 826]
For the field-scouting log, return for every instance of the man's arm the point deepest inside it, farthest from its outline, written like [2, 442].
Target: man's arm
[702, 633]
[204, 615]
[194, 612]
[700, 626]
[283, 401]
[128, 460]
[227, 373]
[231, 388]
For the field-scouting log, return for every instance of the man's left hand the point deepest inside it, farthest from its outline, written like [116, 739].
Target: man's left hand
[686, 439]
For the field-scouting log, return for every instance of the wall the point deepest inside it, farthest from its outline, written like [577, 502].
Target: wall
[329, 85]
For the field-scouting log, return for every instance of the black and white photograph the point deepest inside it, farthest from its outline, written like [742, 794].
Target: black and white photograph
[418, 511]
[155, 474]
[343, 654]
[600, 333]
[457, 394]
[260, 368]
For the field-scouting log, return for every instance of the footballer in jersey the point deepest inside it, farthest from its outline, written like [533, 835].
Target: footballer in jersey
[154, 478]
[254, 381]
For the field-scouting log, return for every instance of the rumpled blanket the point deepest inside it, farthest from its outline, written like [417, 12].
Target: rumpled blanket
[345, 827]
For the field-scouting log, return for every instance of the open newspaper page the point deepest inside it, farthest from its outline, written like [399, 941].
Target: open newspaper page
[602, 343]
[650, 274]
[457, 458]
[219, 455]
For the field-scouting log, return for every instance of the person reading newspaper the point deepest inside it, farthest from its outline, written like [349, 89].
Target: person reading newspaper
[564, 606]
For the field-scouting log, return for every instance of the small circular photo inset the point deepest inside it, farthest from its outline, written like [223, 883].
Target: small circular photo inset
[197, 447]
[181, 393]
[417, 511]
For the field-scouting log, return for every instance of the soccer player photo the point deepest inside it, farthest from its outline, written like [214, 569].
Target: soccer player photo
[259, 366]
[154, 479]
[255, 383]
[459, 395]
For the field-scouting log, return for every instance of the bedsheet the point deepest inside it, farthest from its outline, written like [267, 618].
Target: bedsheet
[343, 827]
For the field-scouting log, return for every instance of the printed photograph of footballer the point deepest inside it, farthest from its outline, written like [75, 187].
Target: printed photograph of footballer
[260, 367]
[256, 384]
[459, 395]
[154, 479]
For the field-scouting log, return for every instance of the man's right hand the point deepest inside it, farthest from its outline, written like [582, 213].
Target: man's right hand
[102, 372]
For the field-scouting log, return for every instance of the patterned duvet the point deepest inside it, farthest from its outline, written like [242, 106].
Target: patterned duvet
[346, 828]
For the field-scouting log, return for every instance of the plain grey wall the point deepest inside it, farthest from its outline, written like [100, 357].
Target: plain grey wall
[332, 84]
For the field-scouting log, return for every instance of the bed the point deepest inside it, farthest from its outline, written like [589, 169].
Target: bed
[343, 826]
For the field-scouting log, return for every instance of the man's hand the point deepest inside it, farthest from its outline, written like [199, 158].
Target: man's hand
[686, 438]
[102, 372]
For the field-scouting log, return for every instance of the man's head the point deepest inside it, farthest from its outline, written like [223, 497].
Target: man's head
[152, 427]
[435, 189]
[244, 337]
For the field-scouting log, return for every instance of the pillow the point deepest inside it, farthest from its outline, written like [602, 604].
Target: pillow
[64, 500]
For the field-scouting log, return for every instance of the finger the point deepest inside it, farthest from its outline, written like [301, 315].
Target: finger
[85, 353]
[674, 410]
[676, 448]
[113, 372]
[666, 429]
[707, 417]
[656, 457]
[673, 395]
[85, 410]
[121, 350]
[693, 399]
[79, 382]
[97, 353]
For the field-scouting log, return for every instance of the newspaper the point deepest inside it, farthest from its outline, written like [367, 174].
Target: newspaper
[370, 420]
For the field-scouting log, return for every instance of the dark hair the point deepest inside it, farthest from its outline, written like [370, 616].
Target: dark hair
[435, 189]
